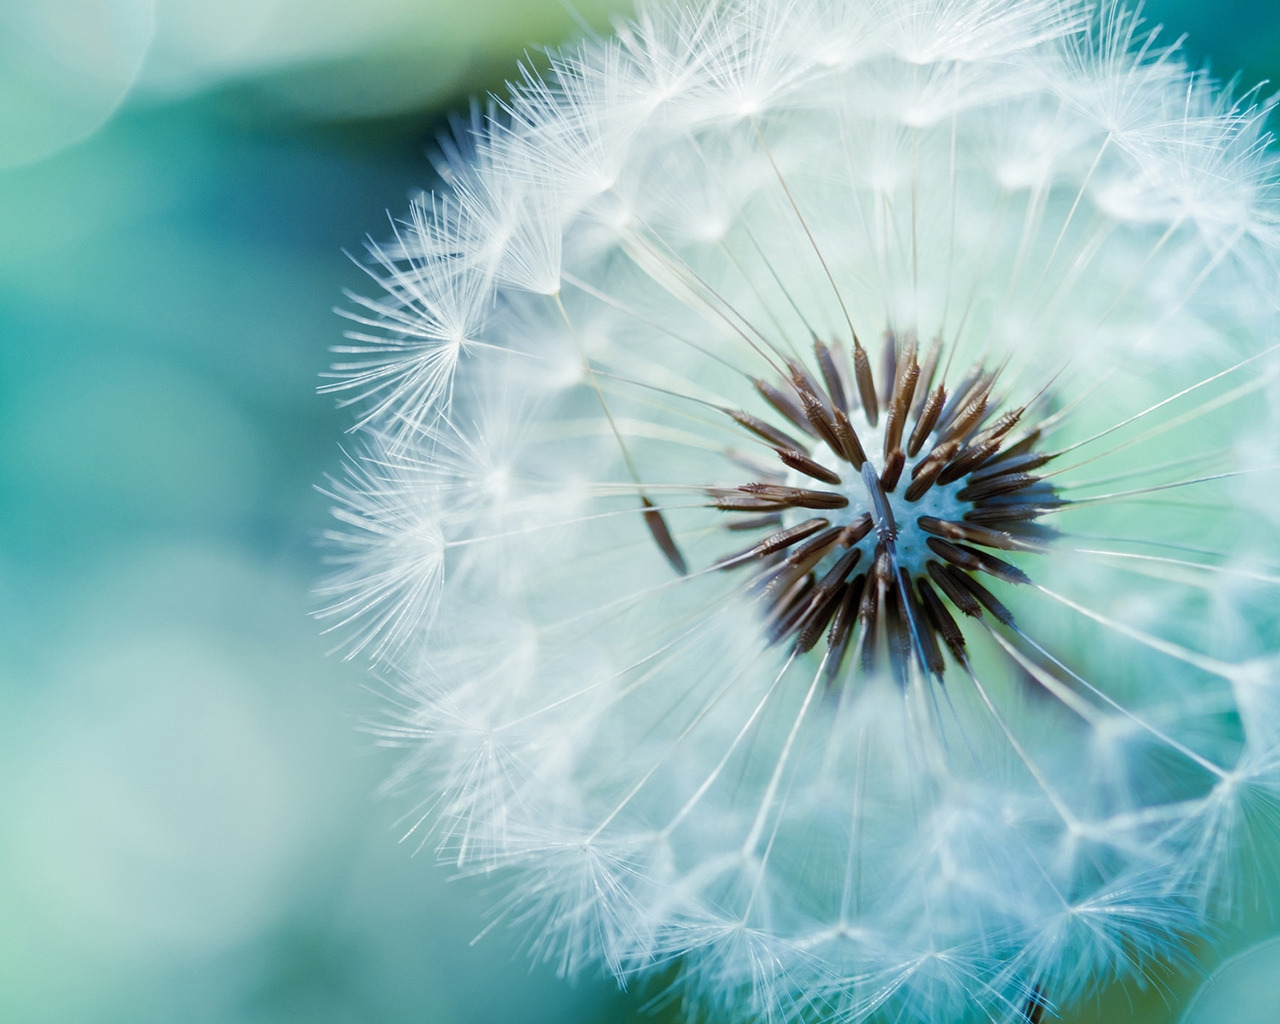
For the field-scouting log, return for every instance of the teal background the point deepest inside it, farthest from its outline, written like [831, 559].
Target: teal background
[189, 823]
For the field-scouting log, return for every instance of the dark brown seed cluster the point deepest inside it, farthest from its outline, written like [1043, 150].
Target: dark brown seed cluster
[815, 576]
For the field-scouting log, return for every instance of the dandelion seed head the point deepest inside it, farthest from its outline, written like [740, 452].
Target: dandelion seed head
[816, 503]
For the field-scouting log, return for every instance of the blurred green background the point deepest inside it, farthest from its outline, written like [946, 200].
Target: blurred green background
[189, 830]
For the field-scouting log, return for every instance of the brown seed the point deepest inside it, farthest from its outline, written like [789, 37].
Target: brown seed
[977, 561]
[971, 532]
[735, 502]
[784, 404]
[968, 459]
[968, 417]
[800, 462]
[802, 380]
[821, 422]
[848, 610]
[893, 467]
[1020, 513]
[923, 631]
[772, 497]
[786, 613]
[1000, 465]
[927, 471]
[927, 369]
[965, 420]
[888, 366]
[856, 530]
[820, 612]
[1001, 426]
[995, 486]
[868, 616]
[1021, 447]
[942, 453]
[662, 537]
[762, 429]
[871, 594]
[782, 577]
[774, 542]
[897, 633]
[839, 572]
[1001, 569]
[906, 359]
[953, 554]
[941, 619]
[756, 522]
[960, 396]
[945, 577]
[815, 548]
[799, 497]
[983, 595]
[831, 375]
[842, 627]
[926, 419]
[899, 405]
[823, 600]
[850, 446]
[866, 383]
[1034, 1009]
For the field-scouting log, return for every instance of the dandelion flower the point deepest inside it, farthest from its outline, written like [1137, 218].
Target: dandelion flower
[817, 503]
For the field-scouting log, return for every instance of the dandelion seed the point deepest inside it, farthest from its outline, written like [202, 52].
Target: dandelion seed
[818, 504]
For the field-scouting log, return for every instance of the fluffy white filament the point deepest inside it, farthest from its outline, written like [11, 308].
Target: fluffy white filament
[615, 255]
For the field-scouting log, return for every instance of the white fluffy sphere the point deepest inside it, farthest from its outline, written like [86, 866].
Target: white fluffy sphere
[952, 319]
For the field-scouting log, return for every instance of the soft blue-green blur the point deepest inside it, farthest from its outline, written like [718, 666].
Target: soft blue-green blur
[189, 830]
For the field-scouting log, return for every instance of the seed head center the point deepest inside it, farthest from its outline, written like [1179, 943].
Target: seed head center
[866, 496]
[886, 507]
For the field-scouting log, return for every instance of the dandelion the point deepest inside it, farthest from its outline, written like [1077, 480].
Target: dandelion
[817, 504]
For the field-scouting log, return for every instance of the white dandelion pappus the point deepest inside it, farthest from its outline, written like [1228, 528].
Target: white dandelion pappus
[817, 504]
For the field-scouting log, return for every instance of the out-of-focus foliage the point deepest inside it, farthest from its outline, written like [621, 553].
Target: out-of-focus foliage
[187, 823]
[67, 65]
